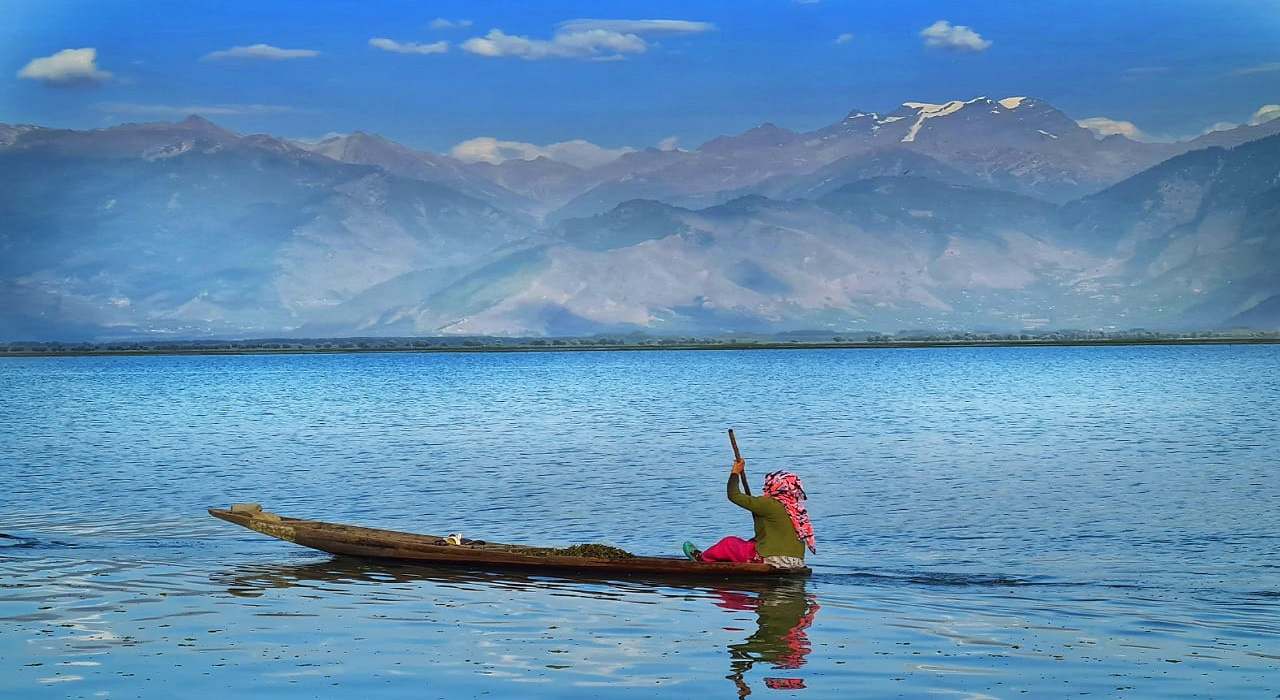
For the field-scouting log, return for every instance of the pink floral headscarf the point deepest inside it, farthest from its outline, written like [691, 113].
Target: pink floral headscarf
[785, 487]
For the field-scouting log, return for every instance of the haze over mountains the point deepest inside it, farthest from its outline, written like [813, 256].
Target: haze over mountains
[976, 215]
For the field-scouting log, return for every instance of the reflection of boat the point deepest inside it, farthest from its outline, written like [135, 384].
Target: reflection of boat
[404, 546]
[253, 579]
[351, 574]
[782, 608]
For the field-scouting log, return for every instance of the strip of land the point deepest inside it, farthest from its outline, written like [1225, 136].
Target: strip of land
[800, 340]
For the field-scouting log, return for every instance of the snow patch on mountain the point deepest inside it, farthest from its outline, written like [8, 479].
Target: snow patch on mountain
[929, 111]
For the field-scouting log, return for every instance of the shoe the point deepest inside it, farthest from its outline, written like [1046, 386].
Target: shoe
[691, 551]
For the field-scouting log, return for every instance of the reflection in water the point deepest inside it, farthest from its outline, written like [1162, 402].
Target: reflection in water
[784, 611]
[251, 581]
[1171, 594]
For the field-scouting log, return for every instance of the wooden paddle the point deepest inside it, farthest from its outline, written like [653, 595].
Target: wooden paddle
[746, 488]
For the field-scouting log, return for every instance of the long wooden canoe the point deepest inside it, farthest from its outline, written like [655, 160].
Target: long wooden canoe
[404, 546]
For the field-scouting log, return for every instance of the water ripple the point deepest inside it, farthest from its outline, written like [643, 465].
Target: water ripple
[990, 521]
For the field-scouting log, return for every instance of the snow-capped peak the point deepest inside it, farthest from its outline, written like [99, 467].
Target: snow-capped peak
[928, 111]
[951, 106]
[931, 109]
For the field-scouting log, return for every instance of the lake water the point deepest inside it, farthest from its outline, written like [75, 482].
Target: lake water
[992, 523]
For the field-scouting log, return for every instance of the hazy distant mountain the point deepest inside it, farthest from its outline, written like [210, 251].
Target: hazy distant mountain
[934, 216]
[369, 149]
[1197, 236]
[885, 162]
[203, 232]
[545, 183]
[884, 253]
[1192, 243]
[1228, 138]
[1018, 144]
[148, 141]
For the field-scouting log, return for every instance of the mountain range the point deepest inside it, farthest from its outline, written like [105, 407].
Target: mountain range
[978, 215]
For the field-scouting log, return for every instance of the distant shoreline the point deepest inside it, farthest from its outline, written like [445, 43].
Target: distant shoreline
[340, 348]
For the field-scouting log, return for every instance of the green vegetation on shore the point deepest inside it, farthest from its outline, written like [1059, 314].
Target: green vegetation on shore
[633, 341]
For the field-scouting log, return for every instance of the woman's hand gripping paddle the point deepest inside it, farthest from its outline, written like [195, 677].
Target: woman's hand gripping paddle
[737, 457]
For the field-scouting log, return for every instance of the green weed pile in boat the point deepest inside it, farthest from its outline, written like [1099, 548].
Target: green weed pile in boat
[600, 551]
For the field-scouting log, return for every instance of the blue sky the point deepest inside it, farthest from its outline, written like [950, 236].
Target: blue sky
[433, 75]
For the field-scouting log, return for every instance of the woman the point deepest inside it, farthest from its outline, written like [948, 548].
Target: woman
[782, 528]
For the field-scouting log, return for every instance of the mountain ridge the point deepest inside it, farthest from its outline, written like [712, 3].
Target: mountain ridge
[188, 228]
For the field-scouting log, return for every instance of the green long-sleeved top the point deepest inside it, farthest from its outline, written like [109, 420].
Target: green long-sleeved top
[775, 533]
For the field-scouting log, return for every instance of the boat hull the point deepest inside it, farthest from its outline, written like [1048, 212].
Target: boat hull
[403, 546]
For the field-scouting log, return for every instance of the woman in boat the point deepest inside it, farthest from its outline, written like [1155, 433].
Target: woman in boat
[782, 528]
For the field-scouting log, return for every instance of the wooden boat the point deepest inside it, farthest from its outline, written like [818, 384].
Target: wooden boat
[409, 547]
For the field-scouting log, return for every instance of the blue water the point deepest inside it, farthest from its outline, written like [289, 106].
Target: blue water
[991, 522]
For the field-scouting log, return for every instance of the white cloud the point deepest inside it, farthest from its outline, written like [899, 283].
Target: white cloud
[667, 144]
[589, 44]
[73, 68]
[636, 26]
[942, 35]
[1265, 114]
[844, 38]
[1260, 68]
[260, 52]
[595, 39]
[442, 23]
[1219, 126]
[408, 46]
[176, 111]
[583, 154]
[1102, 126]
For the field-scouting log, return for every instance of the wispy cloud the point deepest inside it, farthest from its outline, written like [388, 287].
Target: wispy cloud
[942, 35]
[442, 23]
[1104, 126]
[497, 44]
[131, 108]
[1270, 67]
[636, 26]
[844, 38]
[409, 47]
[68, 68]
[1219, 126]
[595, 39]
[1265, 114]
[264, 52]
[583, 154]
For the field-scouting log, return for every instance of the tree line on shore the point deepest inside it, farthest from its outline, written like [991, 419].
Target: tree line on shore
[632, 340]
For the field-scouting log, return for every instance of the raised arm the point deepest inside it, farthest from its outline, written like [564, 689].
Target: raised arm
[735, 494]
[735, 474]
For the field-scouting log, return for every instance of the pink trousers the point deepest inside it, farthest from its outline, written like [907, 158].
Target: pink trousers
[731, 549]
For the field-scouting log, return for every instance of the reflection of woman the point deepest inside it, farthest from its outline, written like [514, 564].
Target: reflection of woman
[781, 523]
[783, 614]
